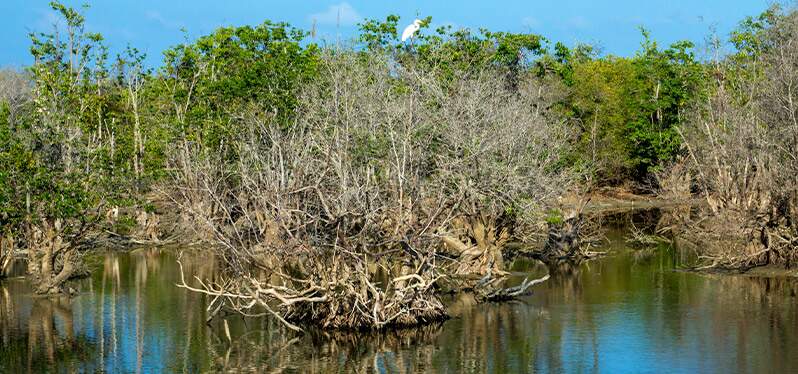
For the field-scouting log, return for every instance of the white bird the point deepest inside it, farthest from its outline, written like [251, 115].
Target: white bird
[411, 29]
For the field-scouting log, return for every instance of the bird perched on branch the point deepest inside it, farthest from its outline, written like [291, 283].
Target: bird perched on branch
[411, 29]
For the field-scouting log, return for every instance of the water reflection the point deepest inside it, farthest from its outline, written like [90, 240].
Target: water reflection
[38, 334]
[625, 313]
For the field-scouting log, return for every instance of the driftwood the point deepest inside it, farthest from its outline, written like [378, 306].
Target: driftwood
[489, 288]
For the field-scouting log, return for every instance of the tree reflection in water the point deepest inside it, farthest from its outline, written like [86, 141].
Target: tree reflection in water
[38, 335]
[615, 314]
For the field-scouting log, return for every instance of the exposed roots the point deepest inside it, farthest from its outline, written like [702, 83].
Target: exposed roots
[570, 236]
[732, 241]
[477, 244]
[336, 297]
[53, 258]
[744, 223]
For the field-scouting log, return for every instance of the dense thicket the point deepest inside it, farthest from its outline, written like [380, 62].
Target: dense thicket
[743, 145]
[628, 109]
[387, 180]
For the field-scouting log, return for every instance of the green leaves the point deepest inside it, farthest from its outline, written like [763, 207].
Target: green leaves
[379, 35]
[235, 68]
[668, 81]
[453, 53]
[53, 160]
[629, 108]
[70, 15]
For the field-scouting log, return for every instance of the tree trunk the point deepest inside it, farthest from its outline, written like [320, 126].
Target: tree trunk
[49, 274]
[7, 248]
[479, 243]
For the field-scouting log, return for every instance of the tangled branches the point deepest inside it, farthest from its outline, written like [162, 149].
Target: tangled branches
[744, 157]
[388, 181]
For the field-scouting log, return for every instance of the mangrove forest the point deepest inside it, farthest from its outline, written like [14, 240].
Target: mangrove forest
[422, 198]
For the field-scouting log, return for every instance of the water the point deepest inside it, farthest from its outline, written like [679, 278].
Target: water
[628, 312]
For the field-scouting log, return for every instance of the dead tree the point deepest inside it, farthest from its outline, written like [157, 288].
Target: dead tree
[389, 180]
[743, 157]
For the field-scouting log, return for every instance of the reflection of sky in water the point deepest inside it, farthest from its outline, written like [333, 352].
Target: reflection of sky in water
[114, 332]
[617, 315]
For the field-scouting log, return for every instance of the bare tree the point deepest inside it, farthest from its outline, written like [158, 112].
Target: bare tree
[389, 180]
[15, 91]
[743, 149]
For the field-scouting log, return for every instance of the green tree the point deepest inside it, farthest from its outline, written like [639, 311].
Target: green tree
[63, 156]
[451, 53]
[208, 81]
[628, 108]
[668, 82]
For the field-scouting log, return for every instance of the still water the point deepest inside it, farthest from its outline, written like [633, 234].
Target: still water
[629, 312]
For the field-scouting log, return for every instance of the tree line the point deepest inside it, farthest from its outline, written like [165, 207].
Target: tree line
[318, 170]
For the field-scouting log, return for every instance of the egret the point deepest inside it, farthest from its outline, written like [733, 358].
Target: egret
[411, 29]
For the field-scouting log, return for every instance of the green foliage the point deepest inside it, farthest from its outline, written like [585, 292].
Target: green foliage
[70, 153]
[669, 81]
[749, 39]
[232, 69]
[453, 53]
[377, 35]
[554, 217]
[600, 102]
[69, 104]
[16, 164]
[629, 108]
[103, 129]
[563, 61]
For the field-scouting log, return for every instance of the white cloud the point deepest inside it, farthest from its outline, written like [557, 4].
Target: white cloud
[161, 20]
[578, 22]
[531, 22]
[341, 14]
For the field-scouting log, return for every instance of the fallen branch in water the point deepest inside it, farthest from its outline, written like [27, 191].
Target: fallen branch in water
[504, 294]
[244, 300]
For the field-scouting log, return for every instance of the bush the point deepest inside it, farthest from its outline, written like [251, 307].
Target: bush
[744, 152]
[366, 180]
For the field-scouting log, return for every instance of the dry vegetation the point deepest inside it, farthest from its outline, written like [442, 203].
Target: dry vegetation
[348, 189]
[743, 159]
[390, 180]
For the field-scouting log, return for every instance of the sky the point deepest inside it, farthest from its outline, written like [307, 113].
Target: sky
[154, 25]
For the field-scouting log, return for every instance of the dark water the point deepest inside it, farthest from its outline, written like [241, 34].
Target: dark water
[629, 312]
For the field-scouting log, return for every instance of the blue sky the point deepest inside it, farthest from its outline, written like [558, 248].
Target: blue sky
[153, 25]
